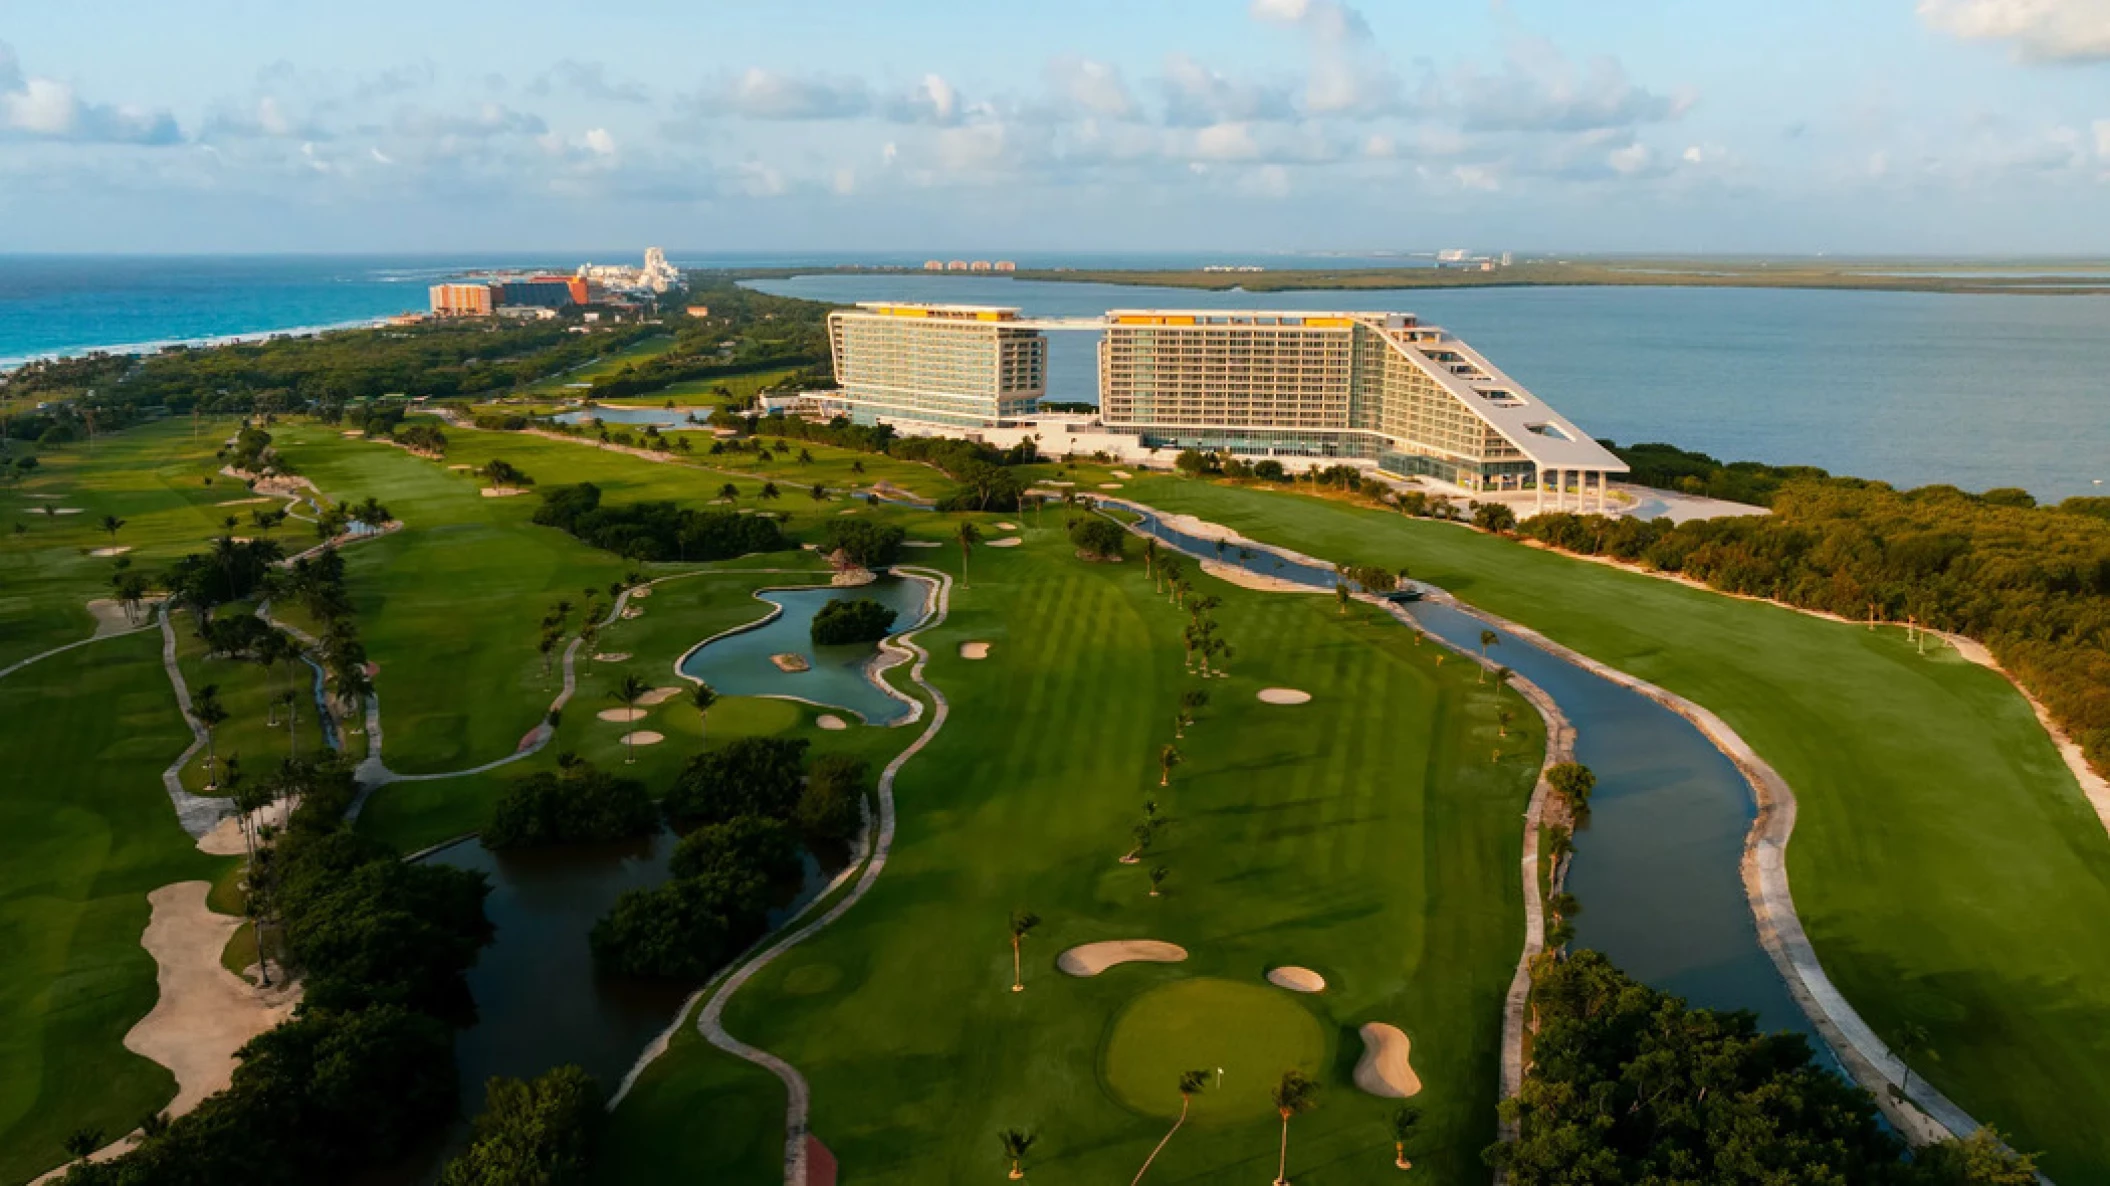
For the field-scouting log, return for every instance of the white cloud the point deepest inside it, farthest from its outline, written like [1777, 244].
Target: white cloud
[47, 109]
[765, 94]
[844, 182]
[1539, 90]
[1197, 95]
[380, 158]
[2040, 30]
[2102, 138]
[1327, 20]
[1629, 160]
[1268, 181]
[1094, 86]
[589, 79]
[489, 120]
[1226, 142]
[599, 142]
[931, 101]
[1380, 147]
[761, 181]
[1478, 177]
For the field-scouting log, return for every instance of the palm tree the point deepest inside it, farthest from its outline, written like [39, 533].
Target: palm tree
[1192, 701]
[729, 492]
[1488, 638]
[112, 524]
[1016, 1142]
[1143, 833]
[818, 491]
[206, 707]
[769, 492]
[1295, 1093]
[969, 535]
[1168, 757]
[702, 696]
[1404, 1123]
[1341, 594]
[1913, 1042]
[153, 1124]
[1191, 1083]
[1150, 557]
[1158, 873]
[1022, 924]
[629, 692]
[83, 1141]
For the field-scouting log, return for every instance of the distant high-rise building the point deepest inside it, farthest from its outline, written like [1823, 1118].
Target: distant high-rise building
[934, 265]
[957, 265]
[463, 300]
[980, 265]
[1508, 258]
[545, 292]
[1005, 265]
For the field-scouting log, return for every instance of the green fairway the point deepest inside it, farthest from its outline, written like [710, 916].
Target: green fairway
[153, 477]
[576, 380]
[1368, 834]
[85, 832]
[1944, 863]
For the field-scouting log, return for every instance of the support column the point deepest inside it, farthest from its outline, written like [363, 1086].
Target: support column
[1604, 490]
[1538, 490]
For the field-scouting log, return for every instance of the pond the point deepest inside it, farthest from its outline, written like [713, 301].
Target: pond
[666, 418]
[737, 663]
[1657, 866]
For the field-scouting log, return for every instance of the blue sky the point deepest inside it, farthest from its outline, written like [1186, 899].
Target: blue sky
[1933, 126]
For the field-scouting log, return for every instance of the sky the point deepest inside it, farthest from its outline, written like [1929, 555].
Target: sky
[1679, 126]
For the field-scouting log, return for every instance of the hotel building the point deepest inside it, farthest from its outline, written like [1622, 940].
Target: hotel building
[1379, 390]
[963, 366]
[1376, 387]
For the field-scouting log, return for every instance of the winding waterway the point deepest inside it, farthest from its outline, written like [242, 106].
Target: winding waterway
[1657, 866]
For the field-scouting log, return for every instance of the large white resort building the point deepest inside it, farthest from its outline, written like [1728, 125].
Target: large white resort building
[1380, 390]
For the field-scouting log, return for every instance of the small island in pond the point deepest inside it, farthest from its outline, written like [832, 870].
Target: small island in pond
[862, 620]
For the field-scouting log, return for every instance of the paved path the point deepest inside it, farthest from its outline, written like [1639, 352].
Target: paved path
[196, 813]
[15, 667]
[710, 1022]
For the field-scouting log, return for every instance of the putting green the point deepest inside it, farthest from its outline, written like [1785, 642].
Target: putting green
[1253, 1033]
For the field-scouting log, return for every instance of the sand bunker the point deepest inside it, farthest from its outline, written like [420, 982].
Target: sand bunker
[116, 551]
[631, 611]
[640, 592]
[1009, 541]
[831, 722]
[611, 656]
[110, 617]
[974, 650]
[1120, 473]
[1053, 482]
[1246, 578]
[621, 716]
[206, 1012]
[225, 839]
[921, 543]
[1296, 979]
[461, 468]
[1383, 1070]
[643, 737]
[503, 491]
[354, 433]
[243, 502]
[789, 662]
[847, 511]
[658, 696]
[1284, 696]
[65, 510]
[1094, 958]
[1005, 526]
[1109, 485]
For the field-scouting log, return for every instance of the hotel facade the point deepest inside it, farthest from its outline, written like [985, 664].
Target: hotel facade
[1381, 390]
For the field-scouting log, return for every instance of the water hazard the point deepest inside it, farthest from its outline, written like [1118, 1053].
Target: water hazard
[739, 663]
[665, 418]
[1657, 866]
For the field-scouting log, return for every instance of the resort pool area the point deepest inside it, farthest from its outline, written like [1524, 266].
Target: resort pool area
[738, 662]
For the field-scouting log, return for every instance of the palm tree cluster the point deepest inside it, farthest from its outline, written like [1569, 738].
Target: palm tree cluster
[554, 627]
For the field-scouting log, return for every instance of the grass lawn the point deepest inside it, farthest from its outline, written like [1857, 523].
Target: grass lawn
[560, 384]
[1944, 862]
[85, 833]
[152, 477]
[1368, 835]
[247, 691]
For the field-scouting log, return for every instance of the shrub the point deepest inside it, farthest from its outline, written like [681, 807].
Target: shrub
[751, 776]
[745, 845]
[829, 808]
[1099, 539]
[542, 1131]
[683, 930]
[861, 620]
[576, 805]
[867, 544]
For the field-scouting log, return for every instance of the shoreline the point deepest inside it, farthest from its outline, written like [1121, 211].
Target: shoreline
[16, 362]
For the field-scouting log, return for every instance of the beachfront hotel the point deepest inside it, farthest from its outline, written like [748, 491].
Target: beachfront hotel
[962, 366]
[1380, 390]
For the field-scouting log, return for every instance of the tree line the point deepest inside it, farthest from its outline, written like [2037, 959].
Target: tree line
[655, 531]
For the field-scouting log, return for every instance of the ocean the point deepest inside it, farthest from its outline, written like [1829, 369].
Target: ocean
[1907, 388]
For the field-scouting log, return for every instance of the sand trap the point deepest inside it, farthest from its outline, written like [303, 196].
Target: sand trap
[1053, 482]
[225, 839]
[116, 551]
[65, 510]
[640, 592]
[632, 611]
[643, 737]
[611, 656]
[1121, 473]
[974, 650]
[790, 662]
[1009, 541]
[1005, 526]
[847, 511]
[354, 433]
[1094, 958]
[658, 696]
[621, 716]
[1383, 1070]
[1246, 578]
[206, 1012]
[1284, 696]
[243, 502]
[47, 496]
[921, 543]
[1296, 979]
[503, 491]
[110, 616]
[831, 722]
[461, 468]
[1109, 485]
